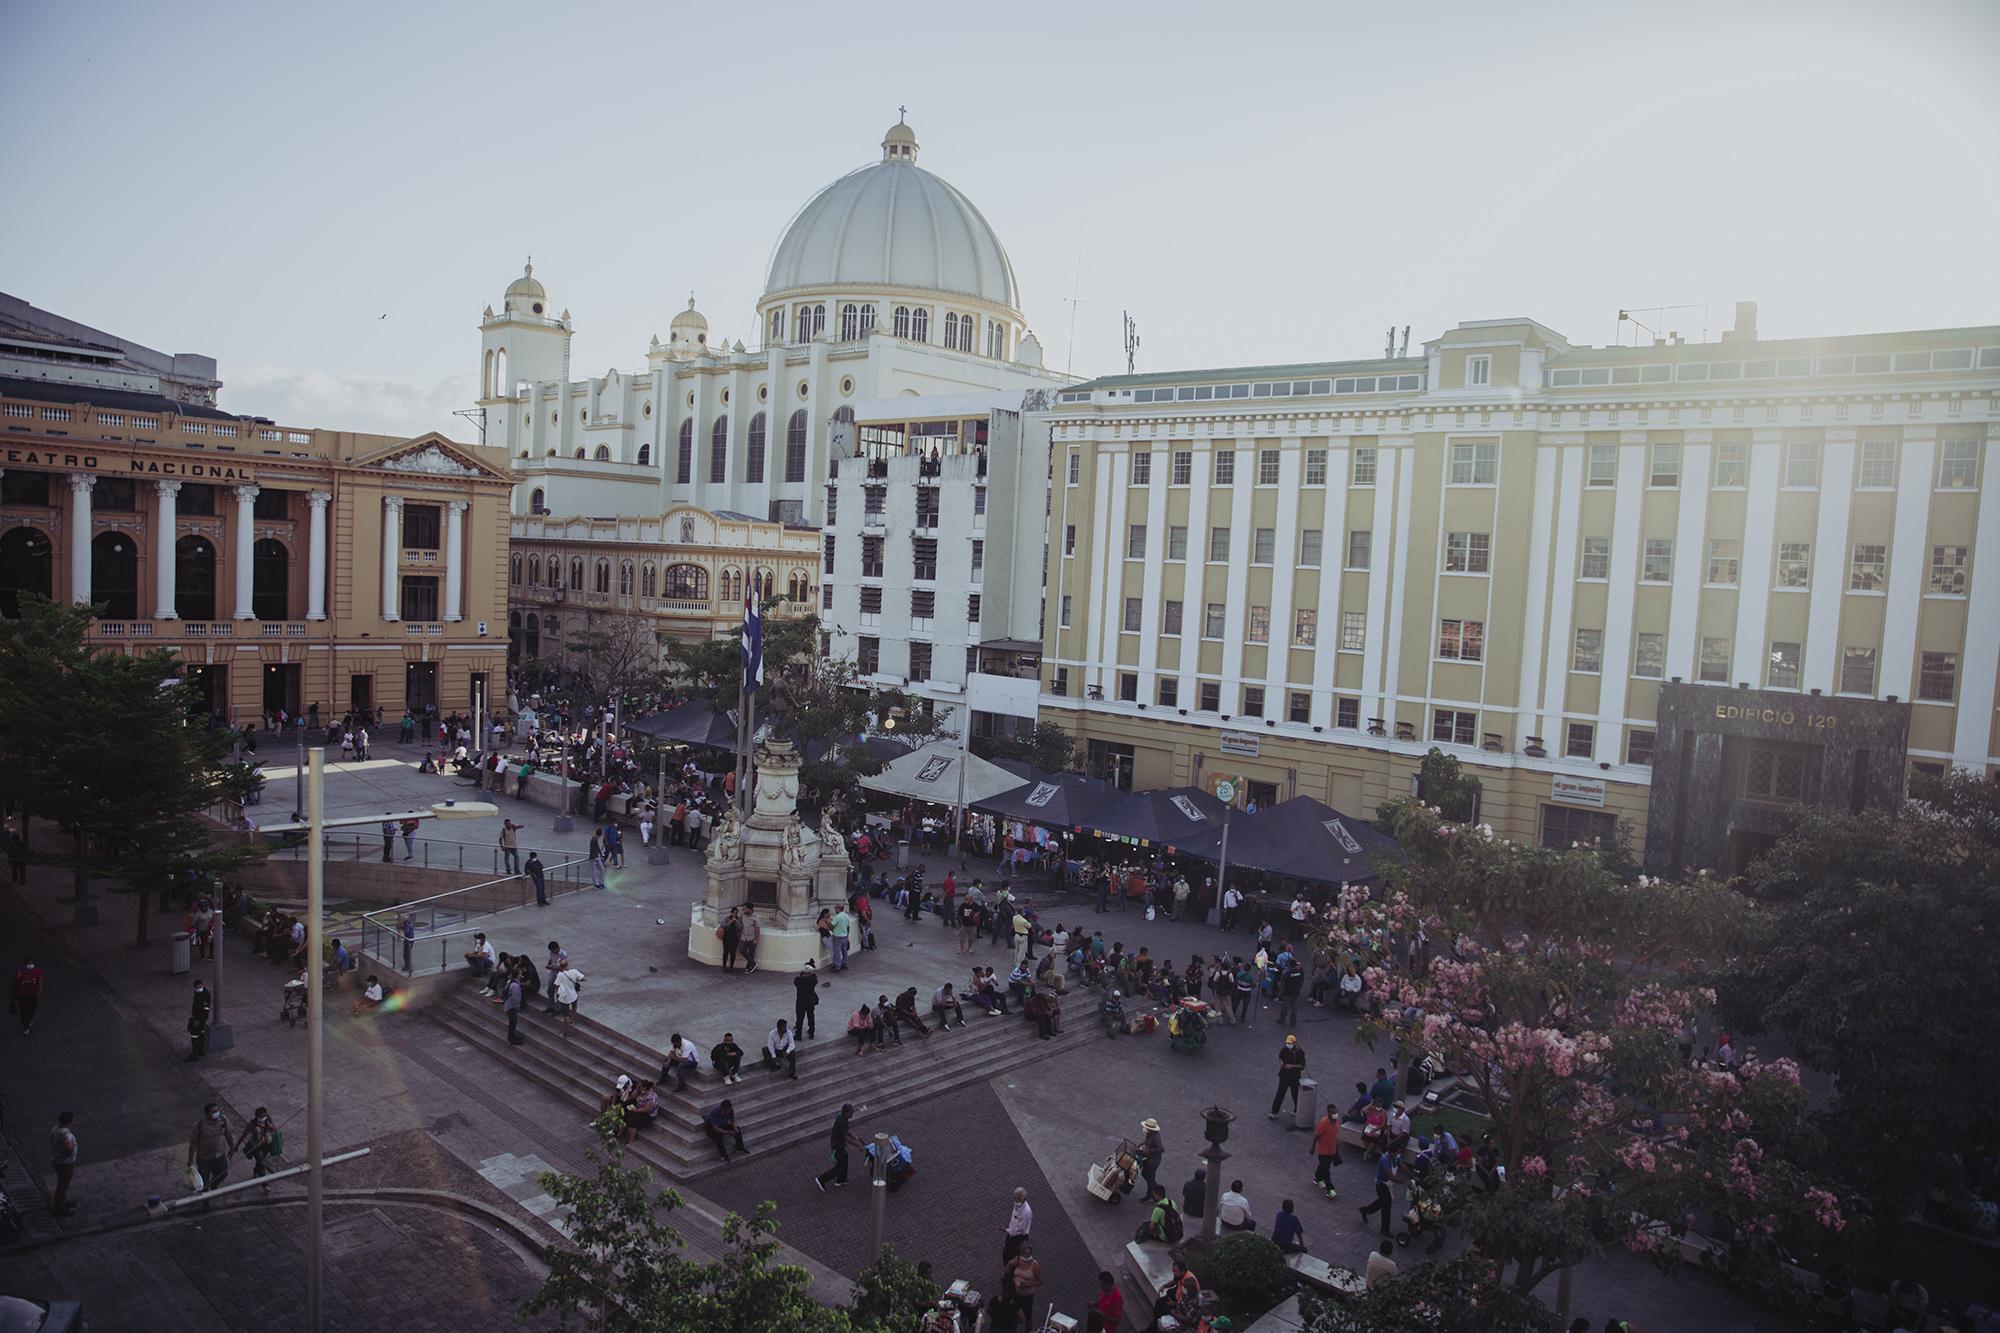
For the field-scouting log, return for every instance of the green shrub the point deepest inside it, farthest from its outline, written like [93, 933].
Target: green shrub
[1245, 1266]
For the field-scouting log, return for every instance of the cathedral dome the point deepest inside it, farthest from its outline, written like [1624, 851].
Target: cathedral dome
[525, 294]
[893, 225]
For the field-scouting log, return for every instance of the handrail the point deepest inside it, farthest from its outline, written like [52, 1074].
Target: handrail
[484, 884]
[381, 930]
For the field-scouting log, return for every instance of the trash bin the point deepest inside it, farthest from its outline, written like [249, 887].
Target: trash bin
[1308, 1113]
[183, 952]
[903, 854]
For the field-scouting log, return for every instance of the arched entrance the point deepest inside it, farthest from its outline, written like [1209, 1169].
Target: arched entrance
[194, 578]
[27, 565]
[114, 575]
[271, 580]
[531, 637]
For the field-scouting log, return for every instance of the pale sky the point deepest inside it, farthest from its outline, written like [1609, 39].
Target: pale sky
[1255, 183]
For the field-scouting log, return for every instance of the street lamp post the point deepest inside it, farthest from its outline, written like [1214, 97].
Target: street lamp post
[1215, 1129]
[878, 1195]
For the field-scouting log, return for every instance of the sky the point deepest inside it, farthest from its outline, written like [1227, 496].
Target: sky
[324, 198]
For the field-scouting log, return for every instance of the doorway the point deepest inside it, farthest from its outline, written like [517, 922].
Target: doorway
[209, 687]
[420, 686]
[282, 687]
[361, 695]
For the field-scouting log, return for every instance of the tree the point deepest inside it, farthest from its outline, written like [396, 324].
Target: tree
[1880, 964]
[1046, 745]
[1443, 1296]
[891, 1295]
[104, 743]
[1558, 990]
[615, 654]
[1440, 782]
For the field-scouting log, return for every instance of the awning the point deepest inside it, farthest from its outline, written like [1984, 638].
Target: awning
[693, 723]
[1175, 816]
[1302, 838]
[1053, 800]
[932, 774]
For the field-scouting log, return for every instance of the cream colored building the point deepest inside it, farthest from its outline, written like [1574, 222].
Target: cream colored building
[682, 573]
[1514, 547]
[289, 567]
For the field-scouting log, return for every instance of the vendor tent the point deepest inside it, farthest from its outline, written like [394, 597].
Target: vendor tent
[931, 774]
[1174, 816]
[1053, 800]
[1301, 838]
[696, 722]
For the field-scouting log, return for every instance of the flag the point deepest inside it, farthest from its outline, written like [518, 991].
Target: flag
[753, 644]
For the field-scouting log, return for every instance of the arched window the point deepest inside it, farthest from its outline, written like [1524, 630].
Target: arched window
[718, 450]
[730, 585]
[114, 575]
[534, 571]
[819, 318]
[797, 589]
[194, 578]
[579, 452]
[795, 447]
[753, 458]
[576, 574]
[648, 580]
[867, 320]
[27, 565]
[996, 339]
[920, 324]
[900, 321]
[625, 578]
[604, 453]
[850, 322]
[645, 455]
[777, 334]
[687, 583]
[951, 329]
[966, 340]
[531, 636]
[501, 388]
[486, 376]
[802, 324]
[601, 580]
[684, 472]
[271, 580]
[537, 500]
[514, 571]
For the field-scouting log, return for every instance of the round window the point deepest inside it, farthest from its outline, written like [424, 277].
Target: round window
[690, 398]
[554, 417]
[538, 307]
[847, 385]
[586, 416]
[647, 410]
[763, 392]
[725, 397]
[803, 389]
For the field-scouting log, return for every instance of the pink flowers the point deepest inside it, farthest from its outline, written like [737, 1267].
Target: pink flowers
[1534, 1168]
[1826, 1209]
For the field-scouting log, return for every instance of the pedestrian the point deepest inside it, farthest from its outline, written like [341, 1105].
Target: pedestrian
[1290, 981]
[805, 987]
[26, 996]
[1287, 1232]
[968, 924]
[510, 846]
[780, 1046]
[1194, 1194]
[1385, 1172]
[1023, 1278]
[514, 1037]
[567, 983]
[1152, 1152]
[558, 960]
[203, 1006]
[17, 857]
[259, 1139]
[682, 1056]
[538, 878]
[1291, 1068]
[62, 1156]
[1019, 1222]
[1107, 1312]
[720, 1125]
[837, 939]
[1231, 901]
[1326, 1147]
[747, 941]
[208, 1147]
[597, 858]
[840, 1140]
[409, 840]
[1181, 892]
[388, 839]
[1381, 1264]
[731, 935]
[614, 845]
[409, 940]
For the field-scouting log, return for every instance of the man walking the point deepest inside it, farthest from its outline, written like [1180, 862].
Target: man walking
[1385, 1171]
[62, 1156]
[597, 858]
[1231, 900]
[409, 940]
[536, 877]
[1290, 981]
[1019, 1222]
[1326, 1147]
[26, 996]
[841, 1139]
[804, 1008]
[208, 1147]
[747, 941]
[514, 1037]
[843, 926]
[204, 1005]
[1291, 1068]
[558, 960]
[968, 924]
[510, 846]
[409, 840]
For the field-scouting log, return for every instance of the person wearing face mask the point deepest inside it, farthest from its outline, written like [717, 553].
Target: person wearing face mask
[208, 1147]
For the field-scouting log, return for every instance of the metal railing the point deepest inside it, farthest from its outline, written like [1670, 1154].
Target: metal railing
[431, 950]
[347, 848]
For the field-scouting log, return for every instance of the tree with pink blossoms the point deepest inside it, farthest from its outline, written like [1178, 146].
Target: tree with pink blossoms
[1558, 990]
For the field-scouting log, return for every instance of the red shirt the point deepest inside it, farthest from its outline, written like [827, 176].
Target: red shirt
[28, 982]
[1111, 1304]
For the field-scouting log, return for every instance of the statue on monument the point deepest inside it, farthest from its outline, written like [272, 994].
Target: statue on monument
[830, 842]
[727, 845]
[795, 851]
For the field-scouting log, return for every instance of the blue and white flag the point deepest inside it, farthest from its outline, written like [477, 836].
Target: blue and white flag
[753, 644]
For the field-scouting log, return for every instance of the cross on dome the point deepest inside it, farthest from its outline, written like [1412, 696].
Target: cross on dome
[900, 143]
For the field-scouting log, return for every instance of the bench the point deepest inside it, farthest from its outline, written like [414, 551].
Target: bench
[1323, 1276]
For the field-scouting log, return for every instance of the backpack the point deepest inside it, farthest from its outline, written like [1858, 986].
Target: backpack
[1175, 1227]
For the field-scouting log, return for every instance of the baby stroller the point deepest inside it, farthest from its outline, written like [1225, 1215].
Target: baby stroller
[1187, 1025]
[1114, 1177]
[294, 1009]
[1426, 1214]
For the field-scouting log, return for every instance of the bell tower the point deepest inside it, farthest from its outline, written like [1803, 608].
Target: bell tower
[523, 343]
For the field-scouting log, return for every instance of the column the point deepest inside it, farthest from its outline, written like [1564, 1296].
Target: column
[316, 557]
[80, 484]
[454, 560]
[246, 499]
[392, 552]
[164, 534]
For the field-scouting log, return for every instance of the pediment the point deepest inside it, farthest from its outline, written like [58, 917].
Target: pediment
[431, 455]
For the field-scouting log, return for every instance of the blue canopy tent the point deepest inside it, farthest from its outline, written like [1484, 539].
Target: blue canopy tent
[1303, 839]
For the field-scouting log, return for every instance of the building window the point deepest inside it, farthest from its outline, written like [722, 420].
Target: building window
[1461, 640]
[978, 500]
[1209, 696]
[1715, 661]
[927, 506]
[1666, 470]
[1135, 542]
[1878, 464]
[1075, 467]
[1478, 371]
[1802, 464]
[1364, 466]
[576, 573]
[874, 501]
[1589, 656]
[795, 447]
[1639, 747]
[1353, 631]
[1168, 692]
[1062, 612]
[1309, 541]
[1253, 701]
[421, 527]
[269, 504]
[1069, 539]
[1183, 467]
[687, 583]
[923, 606]
[1732, 464]
[1260, 625]
[1263, 546]
[1218, 546]
[1225, 467]
[1134, 611]
[1128, 687]
[1657, 565]
[923, 557]
[899, 321]
[1467, 552]
[1937, 677]
[1580, 742]
[871, 557]
[718, 451]
[920, 660]
[1774, 773]
[1725, 561]
[753, 460]
[1347, 713]
[1857, 671]
[1870, 570]
[1948, 570]
[1595, 562]
[1059, 681]
[951, 329]
[684, 462]
[1315, 467]
[777, 334]
[1794, 564]
[1958, 465]
[1649, 657]
[1142, 469]
[1177, 542]
[1358, 548]
[420, 597]
[920, 324]
[1170, 619]
[1566, 826]
[868, 655]
[1298, 707]
[1603, 468]
[832, 505]
[1267, 467]
[1305, 628]
[649, 580]
[1474, 464]
[1783, 670]
[978, 560]
[1212, 621]
[1454, 727]
[627, 578]
[972, 607]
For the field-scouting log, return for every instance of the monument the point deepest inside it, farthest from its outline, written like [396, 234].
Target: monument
[771, 862]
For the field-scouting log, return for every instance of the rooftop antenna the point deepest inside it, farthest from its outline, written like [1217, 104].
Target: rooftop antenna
[1405, 350]
[477, 416]
[1389, 348]
[1659, 313]
[1131, 344]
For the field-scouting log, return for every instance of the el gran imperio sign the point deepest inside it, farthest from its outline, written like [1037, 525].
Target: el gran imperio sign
[196, 469]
